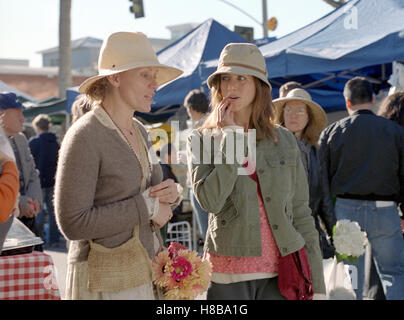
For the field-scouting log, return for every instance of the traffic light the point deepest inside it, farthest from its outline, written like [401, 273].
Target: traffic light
[246, 32]
[137, 8]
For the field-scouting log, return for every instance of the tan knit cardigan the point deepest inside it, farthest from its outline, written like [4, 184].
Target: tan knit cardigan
[97, 190]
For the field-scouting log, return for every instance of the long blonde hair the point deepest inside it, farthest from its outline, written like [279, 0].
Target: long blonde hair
[262, 115]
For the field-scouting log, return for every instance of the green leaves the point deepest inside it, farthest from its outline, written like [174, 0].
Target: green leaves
[344, 257]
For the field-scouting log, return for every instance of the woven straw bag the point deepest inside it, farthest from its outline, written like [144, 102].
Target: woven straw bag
[120, 268]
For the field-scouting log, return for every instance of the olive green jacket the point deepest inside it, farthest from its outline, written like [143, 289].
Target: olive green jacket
[232, 200]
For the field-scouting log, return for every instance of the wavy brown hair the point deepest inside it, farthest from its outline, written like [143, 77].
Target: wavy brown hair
[392, 107]
[96, 92]
[262, 112]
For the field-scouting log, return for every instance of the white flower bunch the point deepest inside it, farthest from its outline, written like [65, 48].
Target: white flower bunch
[349, 240]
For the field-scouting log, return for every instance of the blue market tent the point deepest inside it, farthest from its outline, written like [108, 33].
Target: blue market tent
[362, 37]
[358, 34]
[71, 94]
[262, 41]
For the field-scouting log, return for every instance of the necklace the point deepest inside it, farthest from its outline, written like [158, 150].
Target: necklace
[119, 127]
[142, 154]
[130, 132]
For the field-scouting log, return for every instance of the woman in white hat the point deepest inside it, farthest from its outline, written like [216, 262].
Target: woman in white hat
[306, 119]
[258, 205]
[109, 196]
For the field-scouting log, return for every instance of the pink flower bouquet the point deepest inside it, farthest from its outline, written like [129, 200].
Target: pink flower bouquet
[181, 273]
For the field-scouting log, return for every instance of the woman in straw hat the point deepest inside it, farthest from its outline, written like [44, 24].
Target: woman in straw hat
[109, 194]
[258, 205]
[306, 119]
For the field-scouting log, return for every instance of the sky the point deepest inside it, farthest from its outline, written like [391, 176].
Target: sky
[29, 26]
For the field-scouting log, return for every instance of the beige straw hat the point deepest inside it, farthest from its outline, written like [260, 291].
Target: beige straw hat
[123, 51]
[243, 59]
[320, 118]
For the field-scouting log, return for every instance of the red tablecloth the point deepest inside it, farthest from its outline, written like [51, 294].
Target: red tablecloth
[29, 276]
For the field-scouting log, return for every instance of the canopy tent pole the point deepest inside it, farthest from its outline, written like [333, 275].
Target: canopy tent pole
[342, 74]
[68, 120]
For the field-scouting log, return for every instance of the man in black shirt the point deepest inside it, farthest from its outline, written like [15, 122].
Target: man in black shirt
[363, 165]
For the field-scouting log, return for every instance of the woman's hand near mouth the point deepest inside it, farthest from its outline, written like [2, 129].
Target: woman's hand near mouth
[225, 116]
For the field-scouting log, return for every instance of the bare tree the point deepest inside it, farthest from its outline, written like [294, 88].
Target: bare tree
[335, 3]
[65, 54]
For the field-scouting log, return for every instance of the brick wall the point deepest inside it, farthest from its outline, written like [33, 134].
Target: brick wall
[38, 86]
